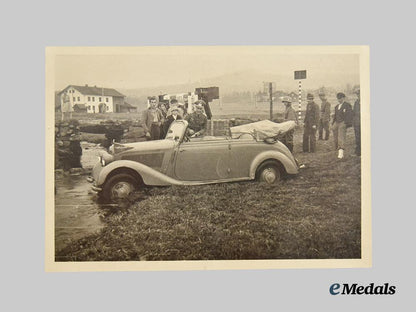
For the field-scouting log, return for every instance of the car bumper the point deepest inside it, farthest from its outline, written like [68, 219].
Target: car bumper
[94, 187]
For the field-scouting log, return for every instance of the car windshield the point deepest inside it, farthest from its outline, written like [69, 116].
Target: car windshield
[176, 130]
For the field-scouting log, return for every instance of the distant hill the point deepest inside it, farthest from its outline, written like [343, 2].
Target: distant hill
[247, 81]
[241, 81]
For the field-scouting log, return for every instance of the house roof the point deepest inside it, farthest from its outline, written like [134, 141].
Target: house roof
[86, 90]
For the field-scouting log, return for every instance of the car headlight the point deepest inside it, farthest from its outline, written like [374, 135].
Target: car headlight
[105, 159]
[102, 161]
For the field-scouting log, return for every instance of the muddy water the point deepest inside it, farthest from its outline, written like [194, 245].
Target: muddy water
[77, 211]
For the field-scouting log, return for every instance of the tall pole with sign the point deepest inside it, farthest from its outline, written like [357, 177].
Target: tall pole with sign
[299, 75]
[268, 87]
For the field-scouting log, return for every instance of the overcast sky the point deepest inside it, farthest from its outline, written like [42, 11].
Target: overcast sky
[150, 67]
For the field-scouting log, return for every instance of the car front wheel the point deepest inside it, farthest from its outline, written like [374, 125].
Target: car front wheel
[269, 172]
[119, 186]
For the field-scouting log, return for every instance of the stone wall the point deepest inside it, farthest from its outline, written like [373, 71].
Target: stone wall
[68, 149]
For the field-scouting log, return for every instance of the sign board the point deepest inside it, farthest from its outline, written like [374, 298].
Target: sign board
[300, 74]
[208, 94]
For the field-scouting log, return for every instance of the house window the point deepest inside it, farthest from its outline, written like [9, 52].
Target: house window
[106, 99]
[99, 99]
[93, 108]
[79, 99]
[89, 107]
[93, 98]
[89, 99]
[108, 108]
[73, 98]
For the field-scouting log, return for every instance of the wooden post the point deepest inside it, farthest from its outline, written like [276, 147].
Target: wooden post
[300, 101]
[271, 100]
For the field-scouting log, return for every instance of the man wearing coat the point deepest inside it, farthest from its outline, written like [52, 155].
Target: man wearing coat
[197, 121]
[152, 120]
[174, 115]
[290, 114]
[325, 116]
[310, 125]
[342, 121]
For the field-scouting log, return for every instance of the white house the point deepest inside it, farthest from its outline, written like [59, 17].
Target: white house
[96, 99]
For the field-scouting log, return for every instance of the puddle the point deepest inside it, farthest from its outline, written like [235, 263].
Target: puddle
[77, 210]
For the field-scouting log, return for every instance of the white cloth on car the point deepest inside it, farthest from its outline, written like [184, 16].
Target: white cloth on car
[263, 129]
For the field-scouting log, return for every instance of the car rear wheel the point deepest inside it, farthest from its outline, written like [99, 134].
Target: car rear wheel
[269, 172]
[119, 186]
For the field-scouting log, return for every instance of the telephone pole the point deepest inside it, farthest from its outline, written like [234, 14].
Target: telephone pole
[269, 87]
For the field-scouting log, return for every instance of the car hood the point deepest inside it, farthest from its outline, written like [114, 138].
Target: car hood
[146, 146]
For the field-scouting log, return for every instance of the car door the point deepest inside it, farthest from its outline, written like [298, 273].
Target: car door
[202, 160]
[242, 153]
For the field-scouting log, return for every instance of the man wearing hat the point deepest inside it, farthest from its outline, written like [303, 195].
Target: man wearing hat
[173, 115]
[174, 104]
[310, 125]
[325, 116]
[197, 121]
[357, 123]
[342, 120]
[290, 114]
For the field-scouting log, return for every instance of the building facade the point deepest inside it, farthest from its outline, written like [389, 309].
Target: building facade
[95, 99]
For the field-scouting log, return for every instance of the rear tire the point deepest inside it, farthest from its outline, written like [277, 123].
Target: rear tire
[270, 172]
[119, 187]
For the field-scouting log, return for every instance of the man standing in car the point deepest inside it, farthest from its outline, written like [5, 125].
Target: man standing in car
[310, 125]
[197, 121]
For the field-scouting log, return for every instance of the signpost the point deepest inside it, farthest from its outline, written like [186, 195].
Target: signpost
[268, 87]
[299, 75]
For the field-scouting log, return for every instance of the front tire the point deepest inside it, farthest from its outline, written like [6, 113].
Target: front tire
[119, 187]
[270, 172]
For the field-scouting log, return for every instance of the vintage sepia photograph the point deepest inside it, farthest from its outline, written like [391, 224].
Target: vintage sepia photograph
[207, 157]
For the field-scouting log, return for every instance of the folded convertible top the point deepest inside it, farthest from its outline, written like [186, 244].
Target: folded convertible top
[263, 129]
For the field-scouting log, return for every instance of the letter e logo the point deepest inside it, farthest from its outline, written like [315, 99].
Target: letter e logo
[333, 288]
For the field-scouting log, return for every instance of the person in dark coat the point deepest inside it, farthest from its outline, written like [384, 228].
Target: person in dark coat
[310, 125]
[325, 116]
[174, 115]
[342, 121]
[207, 108]
[357, 123]
[290, 114]
[197, 121]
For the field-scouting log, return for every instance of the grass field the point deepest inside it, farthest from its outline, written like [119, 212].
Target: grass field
[314, 215]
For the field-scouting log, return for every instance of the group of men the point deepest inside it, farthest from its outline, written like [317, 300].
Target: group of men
[318, 119]
[157, 119]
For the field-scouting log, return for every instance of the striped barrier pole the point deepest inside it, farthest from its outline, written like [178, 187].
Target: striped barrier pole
[300, 100]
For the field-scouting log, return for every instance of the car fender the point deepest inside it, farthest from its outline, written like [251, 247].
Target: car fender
[149, 175]
[288, 163]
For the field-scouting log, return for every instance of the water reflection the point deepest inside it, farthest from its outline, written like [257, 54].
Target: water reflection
[79, 211]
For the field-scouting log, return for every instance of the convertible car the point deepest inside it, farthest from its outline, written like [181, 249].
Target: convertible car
[182, 160]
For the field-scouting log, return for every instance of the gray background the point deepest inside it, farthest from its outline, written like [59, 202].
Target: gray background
[28, 27]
